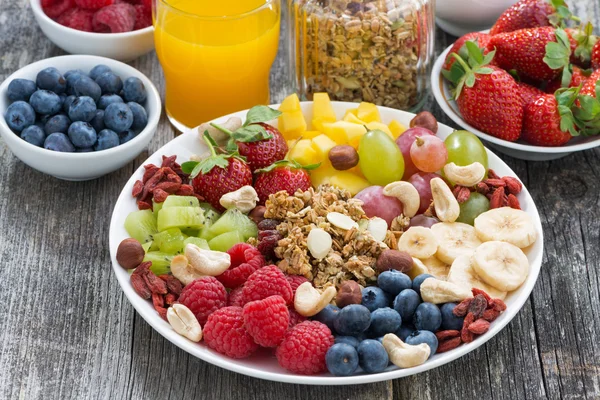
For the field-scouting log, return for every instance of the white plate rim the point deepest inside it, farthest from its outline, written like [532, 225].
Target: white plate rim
[145, 309]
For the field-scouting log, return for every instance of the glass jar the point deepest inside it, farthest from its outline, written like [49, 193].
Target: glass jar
[378, 51]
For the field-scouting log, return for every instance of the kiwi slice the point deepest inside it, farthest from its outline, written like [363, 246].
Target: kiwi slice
[141, 225]
[156, 207]
[147, 246]
[225, 241]
[234, 220]
[169, 241]
[185, 218]
[161, 262]
[181, 201]
[211, 215]
[202, 243]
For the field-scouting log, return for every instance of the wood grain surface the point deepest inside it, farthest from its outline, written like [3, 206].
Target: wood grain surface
[68, 331]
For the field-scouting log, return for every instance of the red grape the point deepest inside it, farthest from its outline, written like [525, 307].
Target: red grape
[428, 153]
[376, 204]
[404, 142]
[420, 181]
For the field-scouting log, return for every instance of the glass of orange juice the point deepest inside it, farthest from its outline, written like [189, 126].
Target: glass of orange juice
[216, 55]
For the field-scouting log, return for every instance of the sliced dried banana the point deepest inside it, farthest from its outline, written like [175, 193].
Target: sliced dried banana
[506, 224]
[463, 274]
[454, 239]
[501, 265]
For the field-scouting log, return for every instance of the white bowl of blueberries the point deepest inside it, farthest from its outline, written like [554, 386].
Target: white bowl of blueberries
[78, 117]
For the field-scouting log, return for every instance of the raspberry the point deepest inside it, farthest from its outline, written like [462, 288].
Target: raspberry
[204, 296]
[93, 4]
[295, 281]
[236, 297]
[267, 320]
[77, 18]
[55, 8]
[265, 282]
[225, 333]
[303, 348]
[114, 18]
[245, 259]
[143, 17]
[295, 318]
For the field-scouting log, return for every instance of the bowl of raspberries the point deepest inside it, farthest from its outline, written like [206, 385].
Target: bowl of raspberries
[118, 29]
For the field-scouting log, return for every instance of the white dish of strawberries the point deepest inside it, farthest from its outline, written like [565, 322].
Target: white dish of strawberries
[199, 298]
[528, 90]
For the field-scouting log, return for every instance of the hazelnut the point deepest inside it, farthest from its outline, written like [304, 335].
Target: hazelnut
[130, 253]
[394, 259]
[426, 120]
[343, 157]
[257, 214]
[348, 293]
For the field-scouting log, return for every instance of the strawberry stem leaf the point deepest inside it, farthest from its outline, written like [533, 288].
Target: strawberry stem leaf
[558, 53]
[261, 114]
[288, 163]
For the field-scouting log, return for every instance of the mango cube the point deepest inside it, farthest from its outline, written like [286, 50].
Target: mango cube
[322, 109]
[292, 124]
[290, 103]
[381, 127]
[396, 128]
[349, 181]
[343, 132]
[321, 175]
[351, 111]
[368, 112]
[322, 144]
[303, 153]
[349, 117]
[310, 134]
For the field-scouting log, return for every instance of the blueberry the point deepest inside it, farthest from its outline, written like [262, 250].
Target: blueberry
[449, 320]
[73, 72]
[405, 331]
[118, 117]
[19, 115]
[106, 139]
[134, 90]
[416, 285]
[406, 303]
[427, 317]
[140, 117]
[126, 136]
[341, 359]
[326, 315]
[99, 70]
[109, 83]
[372, 356]
[352, 320]
[85, 86]
[51, 79]
[72, 77]
[34, 134]
[107, 100]
[59, 142]
[45, 102]
[384, 320]
[351, 340]
[98, 121]
[82, 134]
[58, 123]
[67, 103]
[418, 337]
[84, 150]
[393, 281]
[82, 109]
[374, 298]
[20, 89]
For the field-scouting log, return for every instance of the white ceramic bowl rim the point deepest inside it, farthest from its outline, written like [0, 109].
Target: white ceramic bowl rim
[117, 233]
[150, 88]
[36, 5]
[438, 85]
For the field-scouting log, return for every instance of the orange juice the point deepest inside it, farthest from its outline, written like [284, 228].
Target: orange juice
[216, 55]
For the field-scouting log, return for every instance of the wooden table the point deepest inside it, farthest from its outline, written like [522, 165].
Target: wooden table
[68, 332]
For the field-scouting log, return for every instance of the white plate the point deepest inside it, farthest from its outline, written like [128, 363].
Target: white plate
[519, 149]
[263, 364]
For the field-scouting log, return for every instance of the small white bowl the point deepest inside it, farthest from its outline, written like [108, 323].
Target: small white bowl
[519, 149]
[80, 166]
[458, 17]
[124, 46]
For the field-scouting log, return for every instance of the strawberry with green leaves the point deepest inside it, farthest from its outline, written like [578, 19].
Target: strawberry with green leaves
[217, 174]
[549, 121]
[479, 38]
[532, 14]
[582, 45]
[578, 76]
[282, 175]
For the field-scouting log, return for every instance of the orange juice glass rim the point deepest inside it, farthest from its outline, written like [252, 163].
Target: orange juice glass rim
[217, 17]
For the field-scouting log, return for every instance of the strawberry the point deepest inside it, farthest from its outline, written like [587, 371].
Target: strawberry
[538, 53]
[281, 175]
[589, 85]
[531, 14]
[595, 56]
[578, 76]
[544, 124]
[528, 93]
[582, 44]
[480, 39]
[217, 174]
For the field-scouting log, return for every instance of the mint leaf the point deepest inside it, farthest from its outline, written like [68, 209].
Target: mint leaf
[188, 166]
[251, 133]
[261, 114]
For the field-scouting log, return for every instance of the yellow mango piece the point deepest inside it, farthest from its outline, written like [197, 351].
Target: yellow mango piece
[319, 124]
[310, 134]
[322, 109]
[349, 181]
[303, 153]
[345, 132]
[292, 124]
[321, 175]
[338, 136]
[349, 117]
[396, 128]
[368, 112]
[353, 111]
[322, 144]
[381, 127]
[290, 103]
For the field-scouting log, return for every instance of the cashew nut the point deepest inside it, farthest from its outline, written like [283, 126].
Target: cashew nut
[446, 206]
[405, 355]
[438, 292]
[184, 322]
[182, 270]
[207, 262]
[220, 137]
[407, 194]
[308, 301]
[469, 175]
[244, 199]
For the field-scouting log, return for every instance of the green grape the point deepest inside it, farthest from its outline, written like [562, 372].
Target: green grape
[465, 148]
[381, 161]
[470, 209]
